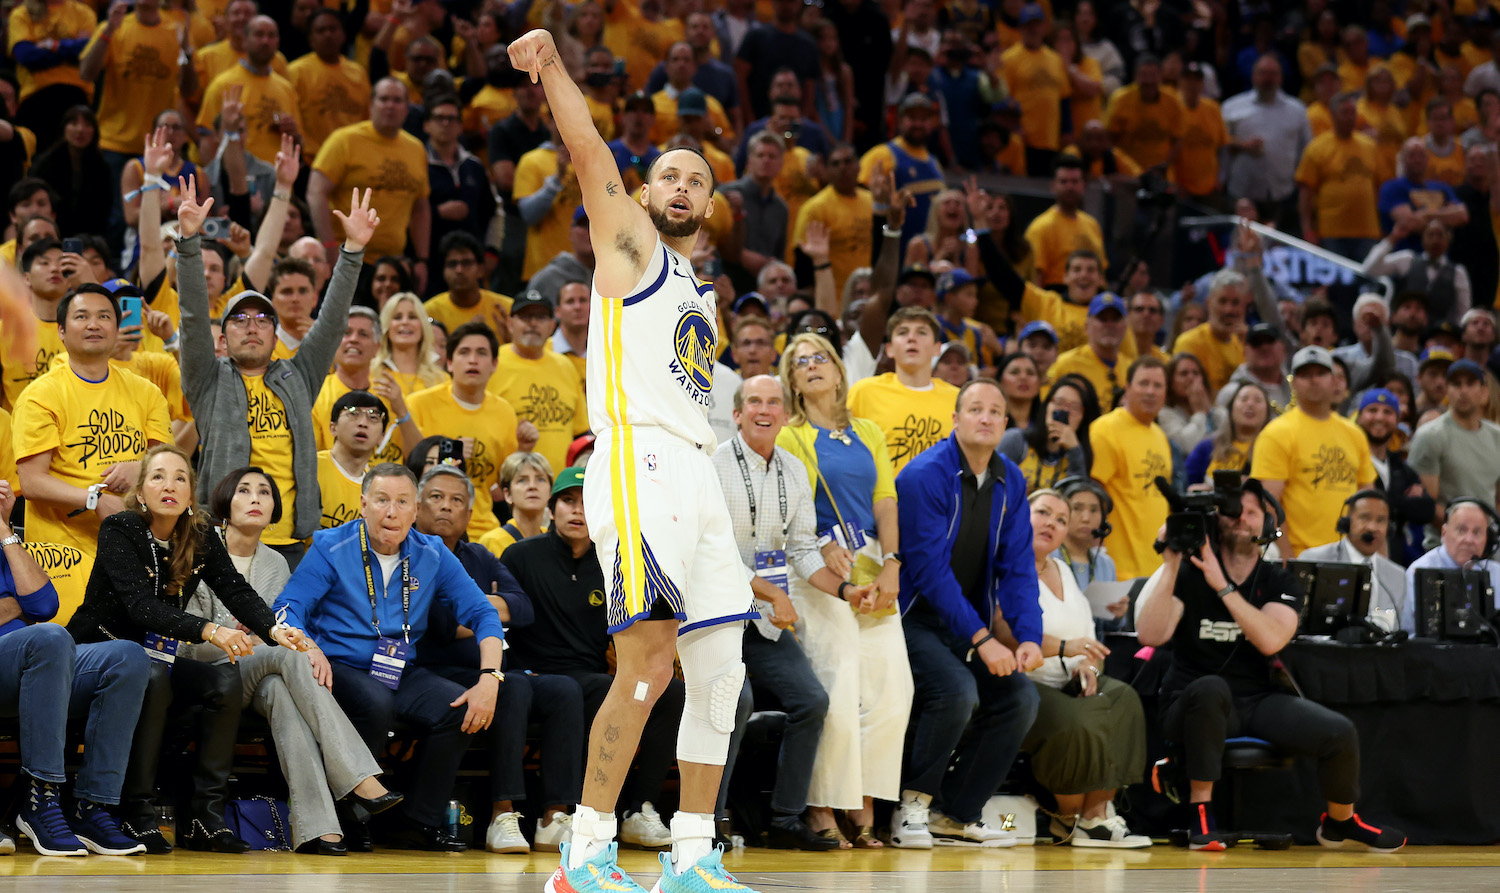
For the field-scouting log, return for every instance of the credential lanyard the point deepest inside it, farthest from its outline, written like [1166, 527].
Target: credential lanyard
[364, 551]
[739, 456]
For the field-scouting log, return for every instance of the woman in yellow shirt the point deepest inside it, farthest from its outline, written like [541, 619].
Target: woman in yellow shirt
[1382, 120]
[1056, 443]
[1229, 448]
[406, 345]
[1087, 79]
[525, 485]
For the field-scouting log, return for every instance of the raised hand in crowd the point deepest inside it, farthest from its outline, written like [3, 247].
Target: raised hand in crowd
[360, 223]
[191, 213]
[526, 436]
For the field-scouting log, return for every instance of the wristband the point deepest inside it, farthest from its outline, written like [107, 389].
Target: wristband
[284, 195]
[1228, 589]
[823, 266]
[1062, 648]
[890, 233]
[842, 584]
[403, 420]
[974, 649]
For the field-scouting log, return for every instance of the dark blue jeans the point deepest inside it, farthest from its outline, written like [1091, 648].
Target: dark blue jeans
[422, 700]
[45, 679]
[953, 696]
[781, 668]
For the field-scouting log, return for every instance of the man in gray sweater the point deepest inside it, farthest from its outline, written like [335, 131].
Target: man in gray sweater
[271, 398]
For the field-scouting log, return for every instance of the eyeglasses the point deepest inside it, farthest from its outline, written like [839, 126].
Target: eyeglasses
[446, 119]
[806, 360]
[249, 320]
[369, 412]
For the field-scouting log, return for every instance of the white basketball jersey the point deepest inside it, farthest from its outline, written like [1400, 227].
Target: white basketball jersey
[651, 354]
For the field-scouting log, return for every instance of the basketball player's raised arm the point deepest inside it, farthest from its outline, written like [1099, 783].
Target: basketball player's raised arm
[616, 218]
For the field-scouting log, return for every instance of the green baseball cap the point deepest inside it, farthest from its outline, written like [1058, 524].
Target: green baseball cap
[567, 479]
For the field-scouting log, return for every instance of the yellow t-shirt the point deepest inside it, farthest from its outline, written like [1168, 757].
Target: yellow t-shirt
[7, 451]
[1390, 127]
[1092, 109]
[68, 20]
[1322, 462]
[21, 371]
[410, 384]
[546, 391]
[492, 309]
[1124, 164]
[493, 427]
[1234, 460]
[1107, 379]
[912, 420]
[666, 118]
[848, 219]
[1053, 236]
[340, 492]
[1196, 170]
[1219, 358]
[1448, 168]
[140, 80]
[218, 57]
[549, 238]
[642, 44]
[489, 107]
[719, 162]
[1128, 456]
[602, 114]
[267, 99]
[330, 97]
[1038, 79]
[356, 157]
[1145, 130]
[322, 419]
[158, 368]
[1039, 475]
[68, 567]
[271, 449]
[87, 427]
[1352, 77]
[1343, 176]
[500, 539]
[1319, 118]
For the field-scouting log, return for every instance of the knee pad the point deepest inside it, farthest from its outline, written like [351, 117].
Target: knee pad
[714, 674]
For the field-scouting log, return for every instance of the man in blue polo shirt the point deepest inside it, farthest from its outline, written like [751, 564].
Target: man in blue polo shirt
[1418, 198]
[364, 592]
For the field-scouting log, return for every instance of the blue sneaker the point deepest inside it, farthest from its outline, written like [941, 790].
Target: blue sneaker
[601, 873]
[707, 875]
[42, 821]
[98, 830]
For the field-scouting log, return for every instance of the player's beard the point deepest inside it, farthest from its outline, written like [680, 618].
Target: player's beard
[676, 229]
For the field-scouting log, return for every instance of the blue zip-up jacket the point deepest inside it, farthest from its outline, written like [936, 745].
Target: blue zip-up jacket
[327, 595]
[929, 491]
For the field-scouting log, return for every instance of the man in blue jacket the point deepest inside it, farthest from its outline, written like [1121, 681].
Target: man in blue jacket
[364, 592]
[968, 580]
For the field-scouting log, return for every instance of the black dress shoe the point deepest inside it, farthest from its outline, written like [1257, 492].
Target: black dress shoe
[200, 839]
[795, 835]
[372, 807]
[357, 837]
[156, 842]
[416, 836]
[320, 847]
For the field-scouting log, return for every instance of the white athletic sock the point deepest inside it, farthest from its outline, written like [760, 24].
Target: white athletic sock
[592, 832]
[692, 838]
[916, 798]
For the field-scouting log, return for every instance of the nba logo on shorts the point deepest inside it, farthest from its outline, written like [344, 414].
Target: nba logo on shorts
[650, 461]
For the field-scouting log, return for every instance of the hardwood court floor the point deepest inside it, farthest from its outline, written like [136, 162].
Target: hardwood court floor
[945, 870]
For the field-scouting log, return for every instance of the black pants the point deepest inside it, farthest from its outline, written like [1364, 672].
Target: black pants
[1205, 713]
[215, 688]
[658, 747]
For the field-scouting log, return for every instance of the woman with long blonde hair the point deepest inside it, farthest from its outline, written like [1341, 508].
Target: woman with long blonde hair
[151, 559]
[947, 225]
[406, 345]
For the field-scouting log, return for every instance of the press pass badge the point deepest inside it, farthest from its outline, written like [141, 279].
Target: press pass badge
[848, 536]
[161, 648]
[389, 661]
[771, 567]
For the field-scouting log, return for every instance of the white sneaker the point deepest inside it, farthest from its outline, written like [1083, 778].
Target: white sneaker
[7, 844]
[1111, 833]
[909, 824]
[948, 832]
[550, 838]
[504, 834]
[645, 829]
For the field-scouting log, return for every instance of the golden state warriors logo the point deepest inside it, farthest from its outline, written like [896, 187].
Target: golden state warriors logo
[693, 342]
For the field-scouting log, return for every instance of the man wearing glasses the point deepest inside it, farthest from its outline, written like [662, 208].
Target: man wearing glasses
[1145, 318]
[252, 409]
[358, 425]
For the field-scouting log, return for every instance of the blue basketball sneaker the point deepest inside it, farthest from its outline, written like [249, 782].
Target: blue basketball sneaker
[601, 873]
[707, 875]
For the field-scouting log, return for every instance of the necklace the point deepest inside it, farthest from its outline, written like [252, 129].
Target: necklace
[841, 435]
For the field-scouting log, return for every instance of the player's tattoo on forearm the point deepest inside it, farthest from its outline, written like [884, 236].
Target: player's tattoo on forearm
[551, 60]
[612, 188]
[611, 734]
[600, 777]
[606, 756]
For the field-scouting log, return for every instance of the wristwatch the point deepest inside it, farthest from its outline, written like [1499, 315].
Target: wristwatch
[891, 556]
[1228, 589]
[491, 671]
[11, 540]
[93, 500]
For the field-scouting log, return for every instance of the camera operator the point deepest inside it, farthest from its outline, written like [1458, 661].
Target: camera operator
[1226, 611]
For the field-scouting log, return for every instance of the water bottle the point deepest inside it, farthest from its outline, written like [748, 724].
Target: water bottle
[166, 822]
[451, 823]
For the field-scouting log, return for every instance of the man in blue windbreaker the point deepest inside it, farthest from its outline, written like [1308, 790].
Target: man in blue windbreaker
[363, 591]
[968, 583]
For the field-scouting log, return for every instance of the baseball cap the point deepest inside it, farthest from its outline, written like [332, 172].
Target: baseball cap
[1312, 356]
[1261, 333]
[580, 443]
[692, 101]
[1417, 20]
[1379, 396]
[249, 300]
[530, 298]
[122, 288]
[1032, 12]
[640, 100]
[1106, 300]
[957, 278]
[1464, 367]
[1038, 327]
[916, 271]
[567, 479]
[914, 101]
[750, 297]
[1435, 355]
[1444, 329]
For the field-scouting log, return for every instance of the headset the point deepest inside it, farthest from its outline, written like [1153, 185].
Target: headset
[1342, 525]
[1492, 525]
[1270, 529]
[1075, 483]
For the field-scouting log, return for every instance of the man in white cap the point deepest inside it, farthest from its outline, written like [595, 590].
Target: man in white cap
[1372, 357]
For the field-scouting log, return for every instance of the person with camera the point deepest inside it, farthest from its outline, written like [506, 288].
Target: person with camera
[1226, 612]
[1470, 533]
[1365, 526]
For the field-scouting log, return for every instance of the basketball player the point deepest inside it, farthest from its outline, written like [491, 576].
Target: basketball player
[651, 497]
